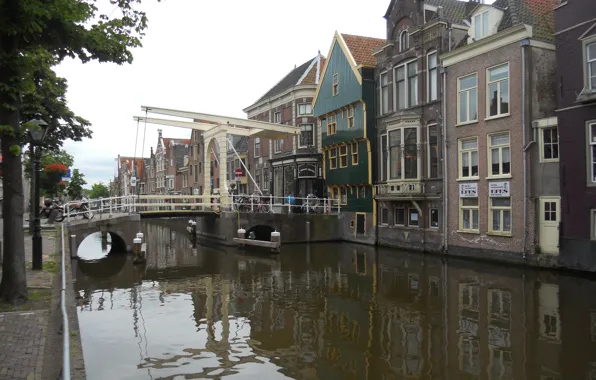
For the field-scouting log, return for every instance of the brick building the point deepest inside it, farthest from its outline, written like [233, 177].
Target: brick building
[409, 187]
[169, 156]
[501, 135]
[291, 165]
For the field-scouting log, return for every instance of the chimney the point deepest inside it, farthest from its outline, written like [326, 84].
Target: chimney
[151, 151]
[159, 131]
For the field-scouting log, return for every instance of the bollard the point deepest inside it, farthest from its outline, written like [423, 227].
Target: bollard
[136, 249]
[241, 233]
[140, 236]
[308, 230]
[276, 238]
[73, 246]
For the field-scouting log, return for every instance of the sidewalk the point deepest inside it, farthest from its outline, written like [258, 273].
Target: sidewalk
[23, 332]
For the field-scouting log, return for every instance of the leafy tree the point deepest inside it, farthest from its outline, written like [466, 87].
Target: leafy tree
[52, 30]
[99, 190]
[50, 157]
[75, 185]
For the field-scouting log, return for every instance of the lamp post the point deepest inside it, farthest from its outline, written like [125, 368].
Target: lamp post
[37, 135]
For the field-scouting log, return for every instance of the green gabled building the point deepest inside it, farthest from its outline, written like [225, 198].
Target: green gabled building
[344, 105]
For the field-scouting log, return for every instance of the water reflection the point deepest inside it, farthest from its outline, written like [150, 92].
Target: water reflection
[332, 311]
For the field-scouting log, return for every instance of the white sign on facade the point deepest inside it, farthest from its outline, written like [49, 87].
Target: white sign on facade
[133, 181]
[468, 190]
[195, 191]
[498, 189]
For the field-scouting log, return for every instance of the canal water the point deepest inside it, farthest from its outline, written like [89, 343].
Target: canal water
[325, 311]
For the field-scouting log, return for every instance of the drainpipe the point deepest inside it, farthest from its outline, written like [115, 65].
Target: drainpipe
[445, 167]
[449, 28]
[524, 43]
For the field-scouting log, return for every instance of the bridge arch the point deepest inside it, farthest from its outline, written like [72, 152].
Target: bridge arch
[117, 243]
[261, 232]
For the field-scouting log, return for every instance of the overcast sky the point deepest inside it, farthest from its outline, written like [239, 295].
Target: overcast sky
[214, 57]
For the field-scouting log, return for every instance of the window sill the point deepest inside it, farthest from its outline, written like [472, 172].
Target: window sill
[505, 176]
[497, 117]
[468, 232]
[466, 123]
[503, 234]
[466, 179]
[548, 161]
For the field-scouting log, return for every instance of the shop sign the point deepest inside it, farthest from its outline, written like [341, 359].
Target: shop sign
[498, 189]
[468, 190]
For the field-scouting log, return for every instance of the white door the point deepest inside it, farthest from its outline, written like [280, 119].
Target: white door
[550, 211]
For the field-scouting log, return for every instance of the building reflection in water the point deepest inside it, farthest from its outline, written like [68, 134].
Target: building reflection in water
[332, 311]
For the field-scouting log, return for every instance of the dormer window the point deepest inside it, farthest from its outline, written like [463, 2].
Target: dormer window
[404, 41]
[481, 25]
[430, 12]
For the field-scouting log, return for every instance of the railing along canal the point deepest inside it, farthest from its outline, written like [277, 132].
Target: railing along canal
[65, 325]
[248, 203]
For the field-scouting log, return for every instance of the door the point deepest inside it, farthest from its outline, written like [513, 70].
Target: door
[550, 211]
[360, 224]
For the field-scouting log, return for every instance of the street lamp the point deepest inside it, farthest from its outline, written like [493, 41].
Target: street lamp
[37, 135]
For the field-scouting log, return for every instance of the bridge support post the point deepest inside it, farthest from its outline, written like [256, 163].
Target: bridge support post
[137, 249]
[276, 238]
[73, 247]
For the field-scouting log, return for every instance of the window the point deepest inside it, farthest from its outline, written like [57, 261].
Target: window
[332, 158]
[549, 144]
[344, 195]
[403, 150]
[591, 63]
[331, 125]
[277, 117]
[593, 225]
[361, 192]
[305, 109]
[498, 147]
[433, 151]
[406, 88]
[384, 93]
[468, 158]
[279, 144]
[343, 156]
[404, 41]
[265, 179]
[384, 216]
[467, 99]
[306, 135]
[431, 62]
[351, 117]
[384, 157]
[481, 25]
[399, 216]
[414, 218]
[354, 153]
[335, 85]
[592, 144]
[257, 147]
[434, 218]
[258, 177]
[497, 93]
[500, 215]
[468, 214]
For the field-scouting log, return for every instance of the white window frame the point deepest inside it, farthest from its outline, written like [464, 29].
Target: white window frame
[277, 117]
[501, 210]
[257, 147]
[430, 219]
[335, 84]
[484, 32]
[384, 93]
[350, 117]
[403, 158]
[470, 152]
[470, 209]
[489, 151]
[591, 154]
[404, 45]
[588, 73]
[428, 148]
[498, 81]
[429, 80]
[302, 109]
[541, 142]
[406, 80]
[468, 91]
[312, 135]
[278, 145]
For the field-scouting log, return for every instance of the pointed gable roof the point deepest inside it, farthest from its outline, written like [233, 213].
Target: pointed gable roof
[306, 73]
[452, 10]
[361, 48]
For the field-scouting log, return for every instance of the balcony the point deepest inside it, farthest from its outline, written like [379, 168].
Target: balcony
[401, 189]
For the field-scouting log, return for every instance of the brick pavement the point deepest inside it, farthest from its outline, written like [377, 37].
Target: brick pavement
[22, 344]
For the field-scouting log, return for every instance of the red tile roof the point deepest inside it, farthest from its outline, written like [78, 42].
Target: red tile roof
[362, 48]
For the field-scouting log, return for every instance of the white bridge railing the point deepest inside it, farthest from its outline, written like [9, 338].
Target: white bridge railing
[131, 204]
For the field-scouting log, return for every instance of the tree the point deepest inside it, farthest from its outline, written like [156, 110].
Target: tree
[58, 156]
[53, 30]
[99, 190]
[75, 185]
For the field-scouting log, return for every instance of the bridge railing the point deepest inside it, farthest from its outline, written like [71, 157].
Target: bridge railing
[100, 206]
[241, 203]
